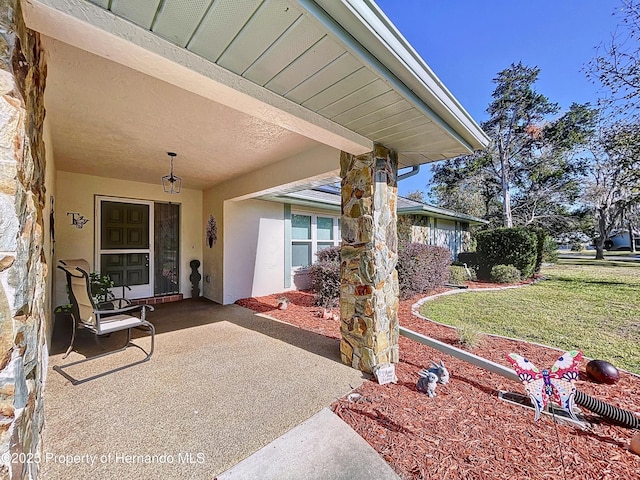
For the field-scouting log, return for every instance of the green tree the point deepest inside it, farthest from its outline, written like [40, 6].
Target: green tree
[616, 66]
[613, 184]
[416, 196]
[550, 180]
[464, 185]
[529, 174]
[514, 114]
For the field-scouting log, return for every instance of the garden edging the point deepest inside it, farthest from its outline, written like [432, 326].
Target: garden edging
[415, 310]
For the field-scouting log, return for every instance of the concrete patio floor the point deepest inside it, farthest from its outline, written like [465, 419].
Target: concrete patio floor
[222, 383]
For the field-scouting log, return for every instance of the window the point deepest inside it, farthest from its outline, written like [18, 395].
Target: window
[311, 233]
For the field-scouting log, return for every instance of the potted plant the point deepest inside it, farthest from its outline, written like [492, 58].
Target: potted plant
[100, 287]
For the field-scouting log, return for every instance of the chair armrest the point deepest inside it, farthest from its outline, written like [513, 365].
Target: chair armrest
[116, 303]
[119, 311]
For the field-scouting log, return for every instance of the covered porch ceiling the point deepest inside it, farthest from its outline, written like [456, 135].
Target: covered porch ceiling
[232, 86]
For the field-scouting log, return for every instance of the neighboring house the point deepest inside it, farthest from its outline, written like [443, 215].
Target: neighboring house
[621, 240]
[311, 222]
[255, 97]
[424, 223]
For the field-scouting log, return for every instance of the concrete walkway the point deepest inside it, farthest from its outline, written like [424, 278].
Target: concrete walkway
[322, 448]
[222, 384]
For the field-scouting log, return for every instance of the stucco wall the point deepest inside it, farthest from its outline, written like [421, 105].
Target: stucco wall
[254, 249]
[316, 165]
[76, 193]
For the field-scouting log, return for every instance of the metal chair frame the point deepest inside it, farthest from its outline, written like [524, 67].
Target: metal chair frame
[86, 314]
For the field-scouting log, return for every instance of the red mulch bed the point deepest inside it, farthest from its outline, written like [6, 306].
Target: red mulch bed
[466, 432]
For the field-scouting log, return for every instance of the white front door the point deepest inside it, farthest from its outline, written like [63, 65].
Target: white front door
[124, 237]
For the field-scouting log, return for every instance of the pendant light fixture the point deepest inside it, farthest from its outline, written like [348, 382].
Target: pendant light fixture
[171, 183]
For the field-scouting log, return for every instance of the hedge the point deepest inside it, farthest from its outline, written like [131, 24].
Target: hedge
[421, 267]
[470, 258]
[515, 246]
[505, 274]
[541, 237]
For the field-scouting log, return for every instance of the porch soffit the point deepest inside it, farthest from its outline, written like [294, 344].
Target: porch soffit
[303, 65]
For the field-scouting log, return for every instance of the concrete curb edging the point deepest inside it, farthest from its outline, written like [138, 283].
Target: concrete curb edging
[415, 310]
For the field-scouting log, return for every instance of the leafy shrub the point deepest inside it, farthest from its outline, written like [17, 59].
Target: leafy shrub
[576, 246]
[458, 275]
[421, 267]
[325, 277]
[550, 250]
[331, 254]
[100, 285]
[541, 236]
[470, 258]
[507, 246]
[505, 274]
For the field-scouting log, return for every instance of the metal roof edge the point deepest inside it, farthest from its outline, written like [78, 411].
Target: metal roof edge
[419, 208]
[443, 213]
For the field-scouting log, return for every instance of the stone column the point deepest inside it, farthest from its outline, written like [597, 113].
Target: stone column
[23, 353]
[369, 286]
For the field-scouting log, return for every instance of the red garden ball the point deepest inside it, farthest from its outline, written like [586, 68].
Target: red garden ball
[635, 443]
[602, 372]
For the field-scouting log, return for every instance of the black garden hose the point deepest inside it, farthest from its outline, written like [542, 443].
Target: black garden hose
[616, 415]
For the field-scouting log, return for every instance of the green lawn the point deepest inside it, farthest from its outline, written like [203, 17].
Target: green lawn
[586, 305]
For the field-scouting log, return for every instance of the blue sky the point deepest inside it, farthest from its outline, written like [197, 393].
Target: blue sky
[467, 42]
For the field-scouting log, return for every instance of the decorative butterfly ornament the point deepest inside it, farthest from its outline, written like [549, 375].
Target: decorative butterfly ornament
[556, 384]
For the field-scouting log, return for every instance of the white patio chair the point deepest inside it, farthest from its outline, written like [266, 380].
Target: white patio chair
[100, 320]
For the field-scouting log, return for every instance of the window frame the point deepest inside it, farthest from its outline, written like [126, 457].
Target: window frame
[314, 241]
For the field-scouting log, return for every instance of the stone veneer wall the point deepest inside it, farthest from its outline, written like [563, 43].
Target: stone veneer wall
[23, 269]
[369, 286]
[414, 228]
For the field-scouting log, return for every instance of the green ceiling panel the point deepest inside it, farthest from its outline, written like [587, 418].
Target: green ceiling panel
[178, 19]
[140, 12]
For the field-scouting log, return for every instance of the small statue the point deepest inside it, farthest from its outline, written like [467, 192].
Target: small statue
[427, 383]
[439, 370]
[195, 278]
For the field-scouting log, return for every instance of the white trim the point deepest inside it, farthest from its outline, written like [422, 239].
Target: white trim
[314, 235]
[137, 291]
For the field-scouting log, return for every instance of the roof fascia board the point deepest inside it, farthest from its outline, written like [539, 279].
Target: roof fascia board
[371, 36]
[295, 200]
[303, 203]
[440, 213]
[422, 209]
[89, 27]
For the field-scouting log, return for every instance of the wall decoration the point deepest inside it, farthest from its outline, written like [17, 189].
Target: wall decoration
[212, 231]
[77, 220]
[52, 230]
